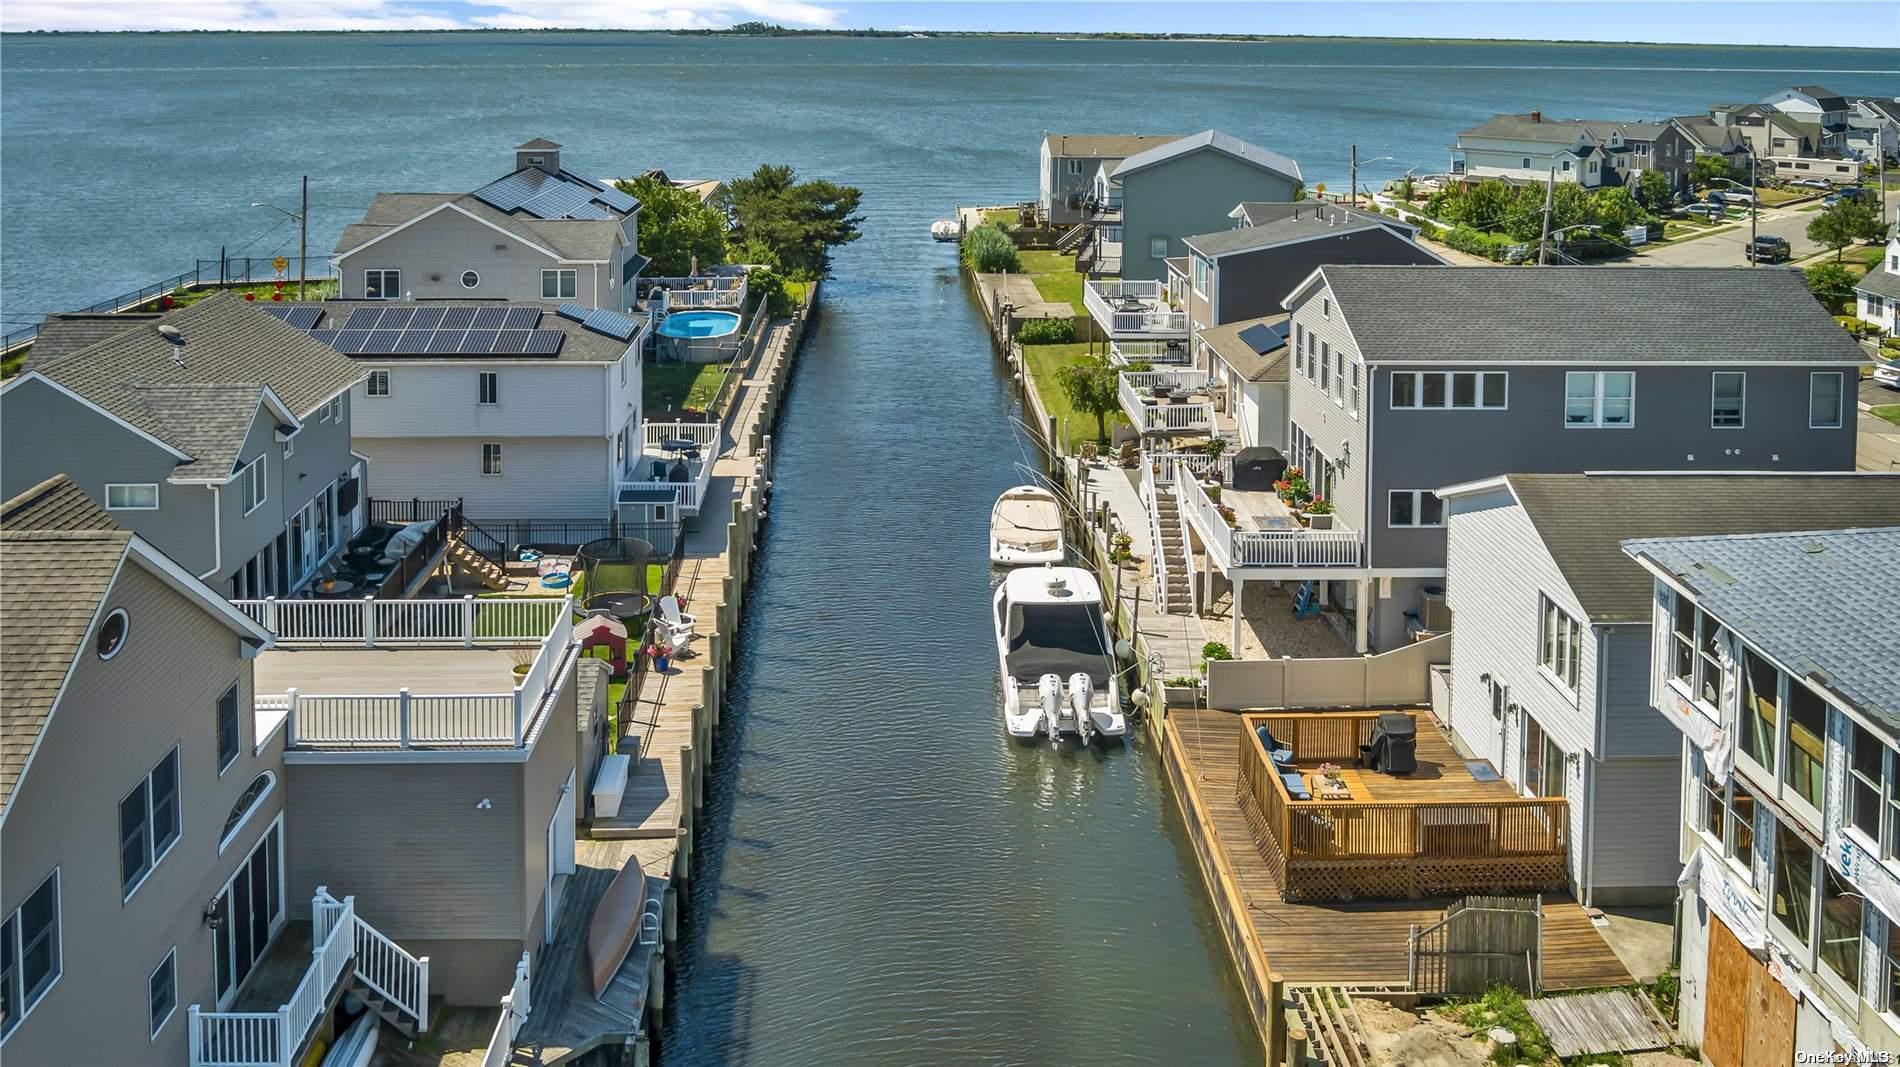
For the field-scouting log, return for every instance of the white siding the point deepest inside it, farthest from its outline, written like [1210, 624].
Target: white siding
[542, 477]
[1636, 839]
[434, 252]
[1325, 422]
[548, 398]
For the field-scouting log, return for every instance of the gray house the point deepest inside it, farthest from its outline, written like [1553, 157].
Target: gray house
[1189, 186]
[1551, 663]
[1074, 167]
[1406, 379]
[218, 432]
[1590, 152]
[540, 232]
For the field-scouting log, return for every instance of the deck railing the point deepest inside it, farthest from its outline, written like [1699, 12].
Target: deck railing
[687, 495]
[1290, 548]
[703, 434]
[1125, 352]
[1154, 415]
[273, 1039]
[1363, 849]
[1104, 300]
[467, 621]
[701, 291]
[514, 1011]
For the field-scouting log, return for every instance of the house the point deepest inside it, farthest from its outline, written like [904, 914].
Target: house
[540, 232]
[1589, 152]
[1550, 664]
[1770, 132]
[1814, 106]
[1393, 393]
[1877, 293]
[218, 432]
[1773, 656]
[1188, 186]
[1247, 361]
[1074, 169]
[1715, 134]
[1873, 129]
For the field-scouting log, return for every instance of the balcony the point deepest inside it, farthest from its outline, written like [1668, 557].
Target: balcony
[1122, 353]
[1166, 401]
[1262, 532]
[1134, 311]
[700, 292]
[1381, 836]
[409, 674]
[676, 458]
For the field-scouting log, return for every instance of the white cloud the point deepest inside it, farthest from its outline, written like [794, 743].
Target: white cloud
[653, 14]
[23, 15]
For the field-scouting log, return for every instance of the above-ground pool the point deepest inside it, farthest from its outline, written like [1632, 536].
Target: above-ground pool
[699, 336]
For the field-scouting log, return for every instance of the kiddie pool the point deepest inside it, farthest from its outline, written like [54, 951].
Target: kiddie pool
[699, 336]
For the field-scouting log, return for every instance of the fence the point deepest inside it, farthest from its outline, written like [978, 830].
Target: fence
[1481, 942]
[514, 1011]
[222, 271]
[466, 621]
[1399, 677]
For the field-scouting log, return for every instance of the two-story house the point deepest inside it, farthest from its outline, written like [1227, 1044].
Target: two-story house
[219, 432]
[1877, 293]
[1550, 665]
[1073, 172]
[1589, 152]
[1188, 186]
[1773, 654]
[1406, 379]
[1816, 105]
[1873, 129]
[541, 232]
[1715, 133]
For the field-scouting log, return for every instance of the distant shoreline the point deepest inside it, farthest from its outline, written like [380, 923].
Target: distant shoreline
[1181, 38]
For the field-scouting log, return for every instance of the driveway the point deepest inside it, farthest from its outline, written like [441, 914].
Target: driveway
[1878, 442]
[1723, 248]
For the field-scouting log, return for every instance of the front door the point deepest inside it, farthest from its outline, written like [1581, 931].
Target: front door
[1747, 1016]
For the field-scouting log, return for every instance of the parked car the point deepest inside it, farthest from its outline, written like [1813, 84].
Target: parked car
[1851, 192]
[1732, 196]
[1768, 249]
[1812, 183]
[1706, 212]
[1887, 374]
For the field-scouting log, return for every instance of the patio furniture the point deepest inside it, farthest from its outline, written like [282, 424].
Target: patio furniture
[1295, 785]
[1279, 753]
[675, 625]
[1394, 745]
[1306, 602]
[1325, 788]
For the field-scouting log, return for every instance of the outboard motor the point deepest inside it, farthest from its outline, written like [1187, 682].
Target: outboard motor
[1081, 691]
[1049, 694]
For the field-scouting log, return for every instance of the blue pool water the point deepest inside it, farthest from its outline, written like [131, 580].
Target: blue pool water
[699, 324]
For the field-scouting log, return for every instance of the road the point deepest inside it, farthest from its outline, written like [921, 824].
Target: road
[1879, 440]
[1724, 247]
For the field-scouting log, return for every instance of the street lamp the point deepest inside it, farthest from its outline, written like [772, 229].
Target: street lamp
[302, 219]
[1352, 181]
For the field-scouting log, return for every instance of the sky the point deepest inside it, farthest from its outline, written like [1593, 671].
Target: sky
[1747, 22]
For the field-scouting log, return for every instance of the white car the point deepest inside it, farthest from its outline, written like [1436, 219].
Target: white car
[1887, 374]
[1730, 196]
[1812, 183]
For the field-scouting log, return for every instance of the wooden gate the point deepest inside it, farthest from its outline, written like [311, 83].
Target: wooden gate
[1481, 942]
[1747, 1016]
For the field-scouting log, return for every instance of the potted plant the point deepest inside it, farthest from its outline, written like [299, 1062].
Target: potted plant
[1228, 515]
[1180, 691]
[1120, 549]
[661, 654]
[1318, 513]
[1212, 491]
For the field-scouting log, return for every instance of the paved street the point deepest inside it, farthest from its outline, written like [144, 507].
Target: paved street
[1724, 248]
[1878, 445]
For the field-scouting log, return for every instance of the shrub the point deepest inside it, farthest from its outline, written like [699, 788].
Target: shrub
[1492, 246]
[1831, 283]
[988, 250]
[1139, 366]
[1046, 331]
[1215, 650]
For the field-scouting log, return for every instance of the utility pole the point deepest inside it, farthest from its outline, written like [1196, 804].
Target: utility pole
[303, 238]
[1352, 184]
[1880, 181]
[1754, 206]
[1543, 242]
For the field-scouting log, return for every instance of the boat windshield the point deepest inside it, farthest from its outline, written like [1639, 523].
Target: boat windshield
[1058, 639]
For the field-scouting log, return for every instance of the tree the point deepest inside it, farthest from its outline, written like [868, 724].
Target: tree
[676, 226]
[1091, 387]
[801, 222]
[1616, 208]
[1831, 284]
[988, 250]
[1652, 191]
[1843, 224]
[1707, 169]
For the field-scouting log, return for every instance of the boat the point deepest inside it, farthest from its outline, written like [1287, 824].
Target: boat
[1057, 661]
[615, 924]
[1026, 527]
[357, 1045]
[946, 230]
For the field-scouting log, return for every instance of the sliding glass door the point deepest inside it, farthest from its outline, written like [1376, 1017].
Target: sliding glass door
[250, 912]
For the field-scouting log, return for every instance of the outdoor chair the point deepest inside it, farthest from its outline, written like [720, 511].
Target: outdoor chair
[1295, 785]
[1279, 753]
[677, 625]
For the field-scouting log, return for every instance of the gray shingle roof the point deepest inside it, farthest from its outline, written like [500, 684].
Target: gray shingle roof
[1315, 221]
[1253, 365]
[539, 143]
[59, 553]
[1827, 98]
[62, 335]
[1826, 604]
[582, 345]
[582, 239]
[200, 396]
[1583, 519]
[1104, 145]
[1585, 315]
[1525, 128]
[1880, 283]
[1227, 144]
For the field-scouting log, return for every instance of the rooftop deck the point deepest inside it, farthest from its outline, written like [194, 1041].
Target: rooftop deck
[1362, 942]
[1136, 310]
[1166, 401]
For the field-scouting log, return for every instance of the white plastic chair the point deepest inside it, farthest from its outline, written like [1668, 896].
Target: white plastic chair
[677, 624]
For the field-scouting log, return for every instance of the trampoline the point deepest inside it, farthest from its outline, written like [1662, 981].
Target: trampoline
[614, 570]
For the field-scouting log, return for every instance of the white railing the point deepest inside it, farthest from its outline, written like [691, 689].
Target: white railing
[467, 621]
[386, 967]
[514, 1011]
[1151, 495]
[1230, 548]
[273, 1039]
[1105, 302]
[687, 495]
[1151, 415]
[704, 291]
[703, 434]
[1201, 512]
[1123, 353]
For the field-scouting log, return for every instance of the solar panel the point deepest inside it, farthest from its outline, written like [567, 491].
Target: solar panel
[522, 319]
[611, 323]
[416, 341]
[395, 318]
[445, 342]
[304, 318]
[490, 318]
[507, 194]
[363, 319]
[556, 199]
[457, 318]
[616, 199]
[351, 342]
[382, 342]
[327, 337]
[572, 311]
[589, 210]
[1261, 338]
[276, 311]
[426, 319]
[511, 342]
[479, 341]
[544, 342]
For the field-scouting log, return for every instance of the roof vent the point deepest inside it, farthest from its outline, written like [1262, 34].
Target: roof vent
[171, 333]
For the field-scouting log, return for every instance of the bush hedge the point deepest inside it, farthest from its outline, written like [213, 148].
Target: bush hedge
[987, 249]
[1047, 332]
[1492, 246]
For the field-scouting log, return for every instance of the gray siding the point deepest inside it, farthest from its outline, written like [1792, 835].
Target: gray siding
[434, 252]
[1634, 857]
[115, 722]
[1183, 196]
[1252, 284]
[1631, 725]
[555, 756]
[1334, 430]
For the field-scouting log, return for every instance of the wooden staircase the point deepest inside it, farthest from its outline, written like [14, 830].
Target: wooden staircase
[474, 565]
[1176, 595]
[1334, 1035]
[1072, 237]
[394, 1014]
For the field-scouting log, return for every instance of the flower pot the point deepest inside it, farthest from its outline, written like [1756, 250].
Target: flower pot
[1318, 521]
[660, 663]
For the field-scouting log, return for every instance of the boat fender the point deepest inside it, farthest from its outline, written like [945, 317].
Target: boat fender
[1124, 651]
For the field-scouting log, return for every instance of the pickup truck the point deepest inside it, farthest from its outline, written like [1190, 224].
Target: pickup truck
[1767, 250]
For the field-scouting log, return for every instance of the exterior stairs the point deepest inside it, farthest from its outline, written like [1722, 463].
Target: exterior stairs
[398, 1017]
[475, 565]
[1176, 595]
[1072, 237]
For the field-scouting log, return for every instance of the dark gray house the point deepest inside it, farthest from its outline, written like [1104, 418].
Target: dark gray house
[1407, 379]
[218, 432]
[1190, 186]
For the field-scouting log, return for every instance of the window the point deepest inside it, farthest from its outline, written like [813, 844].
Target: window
[1414, 507]
[1075, 166]
[1352, 392]
[470, 279]
[1325, 367]
[1804, 769]
[1312, 358]
[491, 460]
[139, 497]
[112, 633]
[1564, 166]
[1598, 399]
[1203, 275]
[1480, 390]
[1891, 965]
[1560, 643]
[1157, 248]
[247, 804]
[162, 988]
[1793, 895]
[1299, 352]
[229, 734]
[382, 284]
[1526, 164]
[1761, 709]
[290, 446]
[148, 823]
[487, 387]
[1866, 771]
[1339, 376]
[29, 953]
[557, 284]
[1711, 801]
[1325, 309]
[1840, 928]
[1824, 400]
[252, 484]
[1739, 844]
[377, 384]
[336, 409]
[1725, 399]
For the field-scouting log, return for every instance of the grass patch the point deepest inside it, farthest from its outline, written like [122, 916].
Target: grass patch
[1890, 412]
[1056, 278]
[321, 289]
[1002, 216]
[679, 385]
[1775, 197]
[1044, 362]
[12, 364]
[1503, 1007]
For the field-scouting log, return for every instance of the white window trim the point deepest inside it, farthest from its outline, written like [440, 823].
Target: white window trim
[1153, 243]
[382, 271]
[1418, 508]
[496, 445]
[1596, 411]
[290, 446]
[263, 483]
[1418, 390]
[482, 379]
[1840, 400]
[215, 726]
[1743, 423]
[369, 383]
[158, 857]
[276, 923]
[19, 950]
[171, 961]
[110, 486]
[1545, 606]
[257, 805]
[560, 274]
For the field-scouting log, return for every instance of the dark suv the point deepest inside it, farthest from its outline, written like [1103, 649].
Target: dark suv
[1767, 250]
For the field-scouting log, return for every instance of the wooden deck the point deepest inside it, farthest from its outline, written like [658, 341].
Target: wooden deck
[275, 977]
[457, 1037]
[1360, 942]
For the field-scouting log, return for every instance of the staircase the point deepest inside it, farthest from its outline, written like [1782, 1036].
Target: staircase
[1334, 1035]
[1172, 590]
[1072, 237]
[474, 565]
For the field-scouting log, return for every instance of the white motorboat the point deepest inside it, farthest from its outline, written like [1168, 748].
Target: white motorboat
[946, 230]
[1026, 527]
[1057, 660]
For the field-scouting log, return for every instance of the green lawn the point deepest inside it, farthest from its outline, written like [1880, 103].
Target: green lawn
[1044, 362]
[1772, 197]
[1890, 412]
[1055, 277]
[677, 385]
[323, 289]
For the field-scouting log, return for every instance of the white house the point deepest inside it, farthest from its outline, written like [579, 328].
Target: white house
[1877, 294]
[1873, 128]
[1774, 655]
[1818, 105]
[1550, 658]
[1531, 147]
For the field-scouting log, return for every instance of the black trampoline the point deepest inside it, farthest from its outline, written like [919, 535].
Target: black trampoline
[613, 571]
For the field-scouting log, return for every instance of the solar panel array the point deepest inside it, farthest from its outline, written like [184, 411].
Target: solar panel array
[541, 195]
[441, 331]
[1264, 338]
[303, 318]
[600, 320]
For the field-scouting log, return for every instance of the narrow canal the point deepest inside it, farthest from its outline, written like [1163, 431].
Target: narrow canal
[885, 878]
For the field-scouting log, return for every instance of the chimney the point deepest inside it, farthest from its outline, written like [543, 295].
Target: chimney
[541, 154]
[1537, 116]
